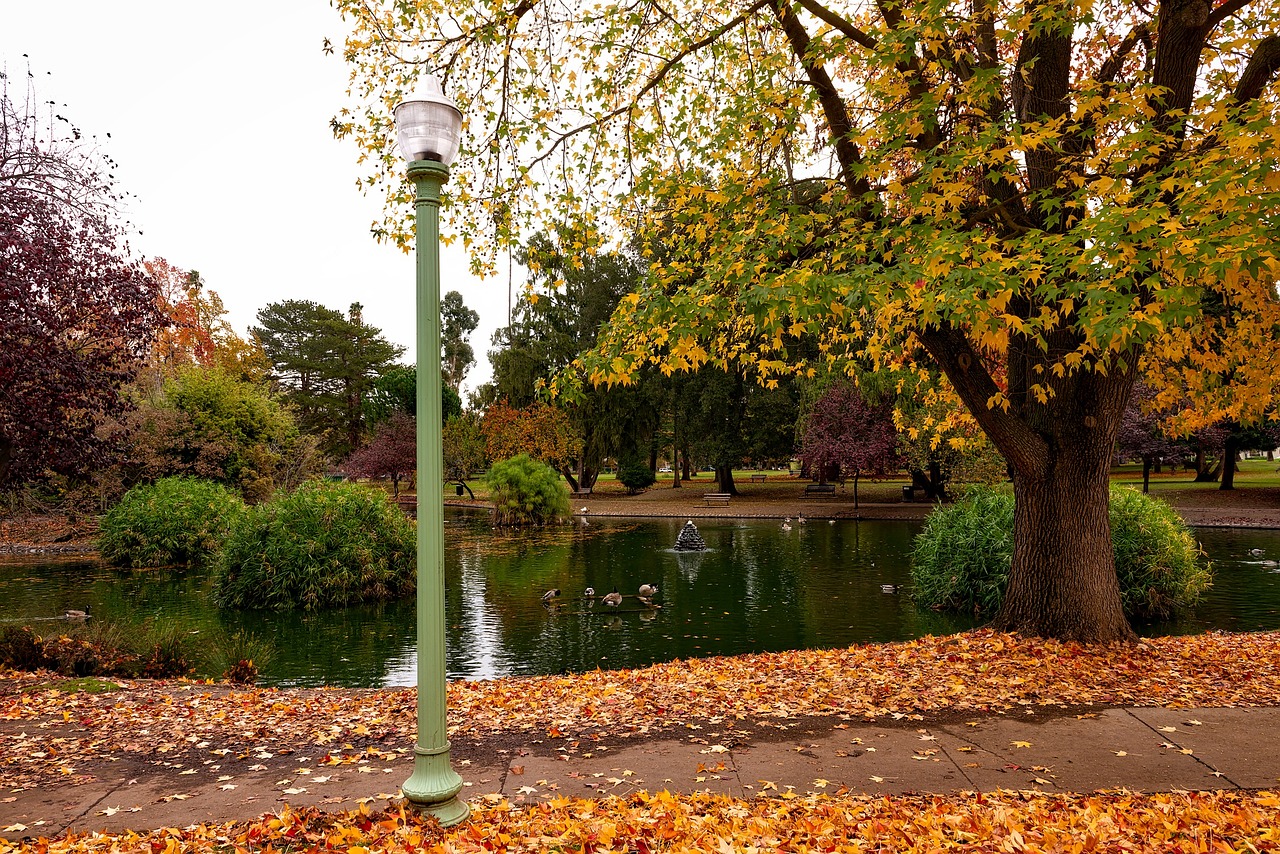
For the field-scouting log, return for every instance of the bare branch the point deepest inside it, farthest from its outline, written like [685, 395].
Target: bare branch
[833, 105]
[823, 13]
[1107, 73]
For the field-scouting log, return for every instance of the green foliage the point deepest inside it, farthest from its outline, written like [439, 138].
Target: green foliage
[526, 492]
[327, 365]
[457, 322]
[176, 520]
[962, 557]
[1158, 561]
[322, 545]
[635, 474]
[214, 423]
[463, 446]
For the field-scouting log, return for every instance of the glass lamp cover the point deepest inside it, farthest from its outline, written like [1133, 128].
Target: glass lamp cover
[429, 125]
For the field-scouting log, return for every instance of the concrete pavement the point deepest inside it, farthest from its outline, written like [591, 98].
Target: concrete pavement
[1143, 749]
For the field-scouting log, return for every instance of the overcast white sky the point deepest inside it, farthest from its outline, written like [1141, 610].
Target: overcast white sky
[218, 115]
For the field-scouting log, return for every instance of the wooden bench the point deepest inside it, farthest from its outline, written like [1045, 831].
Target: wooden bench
[820, 490]
[721, 498]
[583, 491]
[759, 478]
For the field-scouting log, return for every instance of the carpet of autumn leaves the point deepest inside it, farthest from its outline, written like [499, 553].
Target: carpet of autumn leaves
[975, 671]
[648, 822]
[972, 672]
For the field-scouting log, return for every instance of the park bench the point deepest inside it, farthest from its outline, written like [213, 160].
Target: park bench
[721, 498]
[820, 490]
[583, 491]
[759, 478]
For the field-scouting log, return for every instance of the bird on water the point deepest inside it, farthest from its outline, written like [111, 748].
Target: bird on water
[613, 599]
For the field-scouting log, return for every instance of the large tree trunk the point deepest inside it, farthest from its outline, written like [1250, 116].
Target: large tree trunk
[1230, 448]
[6, 457]
[1146, 473]
[724, 477]
[1062, 583]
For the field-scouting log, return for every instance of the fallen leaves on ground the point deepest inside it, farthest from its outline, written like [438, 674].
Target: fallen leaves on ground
[41, 730]
[644, 822]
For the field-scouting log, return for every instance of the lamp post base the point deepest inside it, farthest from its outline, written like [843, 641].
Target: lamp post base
[434, 786]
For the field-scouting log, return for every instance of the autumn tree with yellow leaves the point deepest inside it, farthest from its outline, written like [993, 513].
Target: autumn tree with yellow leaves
[1033, 196]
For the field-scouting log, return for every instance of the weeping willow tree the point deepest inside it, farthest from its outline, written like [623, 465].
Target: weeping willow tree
[1031, 197]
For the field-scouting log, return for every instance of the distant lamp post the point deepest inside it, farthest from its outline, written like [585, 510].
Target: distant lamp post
[429, 130]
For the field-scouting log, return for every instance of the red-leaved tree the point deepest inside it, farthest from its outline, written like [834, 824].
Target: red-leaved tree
[77, 316]
[844, 429]
[393, 452]
[76, 320]
[1142, 436]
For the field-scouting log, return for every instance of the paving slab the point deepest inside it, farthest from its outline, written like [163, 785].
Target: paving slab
[1241, 744]
[1104, 750]
[651, 766]
[860, 758]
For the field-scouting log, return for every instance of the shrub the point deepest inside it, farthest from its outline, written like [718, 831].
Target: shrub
[176, 520]
[635, 475]
[238, 656]
[322, 545]
[961, 559]
[1158, 560]
[21, 648]
[100, 649]
[526, 492]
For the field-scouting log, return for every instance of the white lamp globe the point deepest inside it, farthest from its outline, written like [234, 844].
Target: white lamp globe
[429, 124]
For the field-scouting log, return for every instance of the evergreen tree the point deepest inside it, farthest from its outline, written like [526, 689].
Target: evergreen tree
[326, 366]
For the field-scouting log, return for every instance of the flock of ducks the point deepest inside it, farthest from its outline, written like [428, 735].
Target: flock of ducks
[612, 600]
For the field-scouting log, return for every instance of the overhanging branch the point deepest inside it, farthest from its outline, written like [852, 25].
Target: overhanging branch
[1259, 71]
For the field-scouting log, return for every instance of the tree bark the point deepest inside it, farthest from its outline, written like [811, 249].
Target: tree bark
[1146, 474]
[1062, 582]
[1230, 448]
[6, 457]
[724, 478]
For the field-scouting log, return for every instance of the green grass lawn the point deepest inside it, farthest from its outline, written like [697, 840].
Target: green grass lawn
[1254, 473]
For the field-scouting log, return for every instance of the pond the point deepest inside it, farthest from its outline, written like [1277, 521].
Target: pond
[757, 588]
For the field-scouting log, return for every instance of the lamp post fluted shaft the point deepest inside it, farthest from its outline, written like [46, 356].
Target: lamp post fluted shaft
[434, 785]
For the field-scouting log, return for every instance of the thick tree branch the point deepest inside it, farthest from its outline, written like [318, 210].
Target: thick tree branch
[826, 15]
[1110, 68]
[1262, 67]
[1021, 446]
[1227, 9]
[833, 105]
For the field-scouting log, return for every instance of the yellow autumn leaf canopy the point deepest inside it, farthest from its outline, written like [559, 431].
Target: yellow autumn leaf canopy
[851, 173]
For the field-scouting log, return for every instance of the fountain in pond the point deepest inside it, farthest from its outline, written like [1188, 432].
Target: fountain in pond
[690, 540]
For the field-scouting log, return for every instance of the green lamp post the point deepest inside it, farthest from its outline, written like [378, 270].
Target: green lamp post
[429, 130]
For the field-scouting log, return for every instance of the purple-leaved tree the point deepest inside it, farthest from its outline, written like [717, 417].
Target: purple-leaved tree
[391, 453]
[843, 428]
[1141, 436]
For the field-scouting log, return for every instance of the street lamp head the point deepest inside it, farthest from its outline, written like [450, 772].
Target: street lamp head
[429, 124]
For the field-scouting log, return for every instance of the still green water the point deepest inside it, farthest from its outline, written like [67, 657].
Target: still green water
[757, 588]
